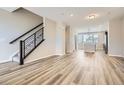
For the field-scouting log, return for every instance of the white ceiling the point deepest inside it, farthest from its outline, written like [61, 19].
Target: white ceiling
[79, 20]
[80, 13]
[10, 9]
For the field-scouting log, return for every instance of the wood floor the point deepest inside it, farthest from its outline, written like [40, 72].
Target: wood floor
[78, 68]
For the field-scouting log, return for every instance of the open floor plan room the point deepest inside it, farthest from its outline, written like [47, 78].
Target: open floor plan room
[61, 45]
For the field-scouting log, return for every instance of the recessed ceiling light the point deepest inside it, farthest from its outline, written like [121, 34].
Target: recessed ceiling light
[71, 15]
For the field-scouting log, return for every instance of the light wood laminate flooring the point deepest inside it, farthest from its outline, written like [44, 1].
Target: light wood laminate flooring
[78, 68]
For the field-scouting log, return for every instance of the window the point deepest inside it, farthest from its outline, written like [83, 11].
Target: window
[88, 38]
[96, 38]
[80, 38]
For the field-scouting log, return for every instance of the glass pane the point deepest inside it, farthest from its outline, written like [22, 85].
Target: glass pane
[96, 38]
[80, 38]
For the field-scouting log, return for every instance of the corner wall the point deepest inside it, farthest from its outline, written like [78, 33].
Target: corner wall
[122, 34]
[70, 39]
[60, 39]
[54, 44]
[116, 37]
[48, 47]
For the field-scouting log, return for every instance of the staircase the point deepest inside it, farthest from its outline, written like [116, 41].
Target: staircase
[16, 57]
[29, 44]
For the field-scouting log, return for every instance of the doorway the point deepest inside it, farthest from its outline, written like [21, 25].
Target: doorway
[106, 42]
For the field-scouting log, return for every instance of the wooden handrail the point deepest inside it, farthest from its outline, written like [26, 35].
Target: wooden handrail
[25, 33]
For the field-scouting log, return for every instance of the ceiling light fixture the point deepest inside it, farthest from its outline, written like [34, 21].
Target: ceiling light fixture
[71, 15]
[91, 17]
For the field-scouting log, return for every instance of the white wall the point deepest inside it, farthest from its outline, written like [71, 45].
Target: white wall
[70, 39]
[11, 26]
[93, 28]
[67, 37]
[115, 37]
[48, 47]
[122, 36]
[54, 44]
[60, 39]
[10, 9]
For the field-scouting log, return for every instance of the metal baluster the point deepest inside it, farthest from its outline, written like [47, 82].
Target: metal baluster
[24, 49]
[21, 53]
[42, 33]
[34, 39]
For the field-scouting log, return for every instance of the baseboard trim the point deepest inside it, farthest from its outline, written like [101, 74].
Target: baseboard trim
[116, 55]
[42, 59]
[4, 61]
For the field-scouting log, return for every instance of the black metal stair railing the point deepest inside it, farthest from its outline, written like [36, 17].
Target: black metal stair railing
[16, 39]
[30, 43]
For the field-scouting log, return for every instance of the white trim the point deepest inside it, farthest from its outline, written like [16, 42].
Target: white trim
[11, 57]
[4, 61]
[10, 9]
[44, 21]
[31, 60]
[60, 52]
[115, 55]
[40, 58]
